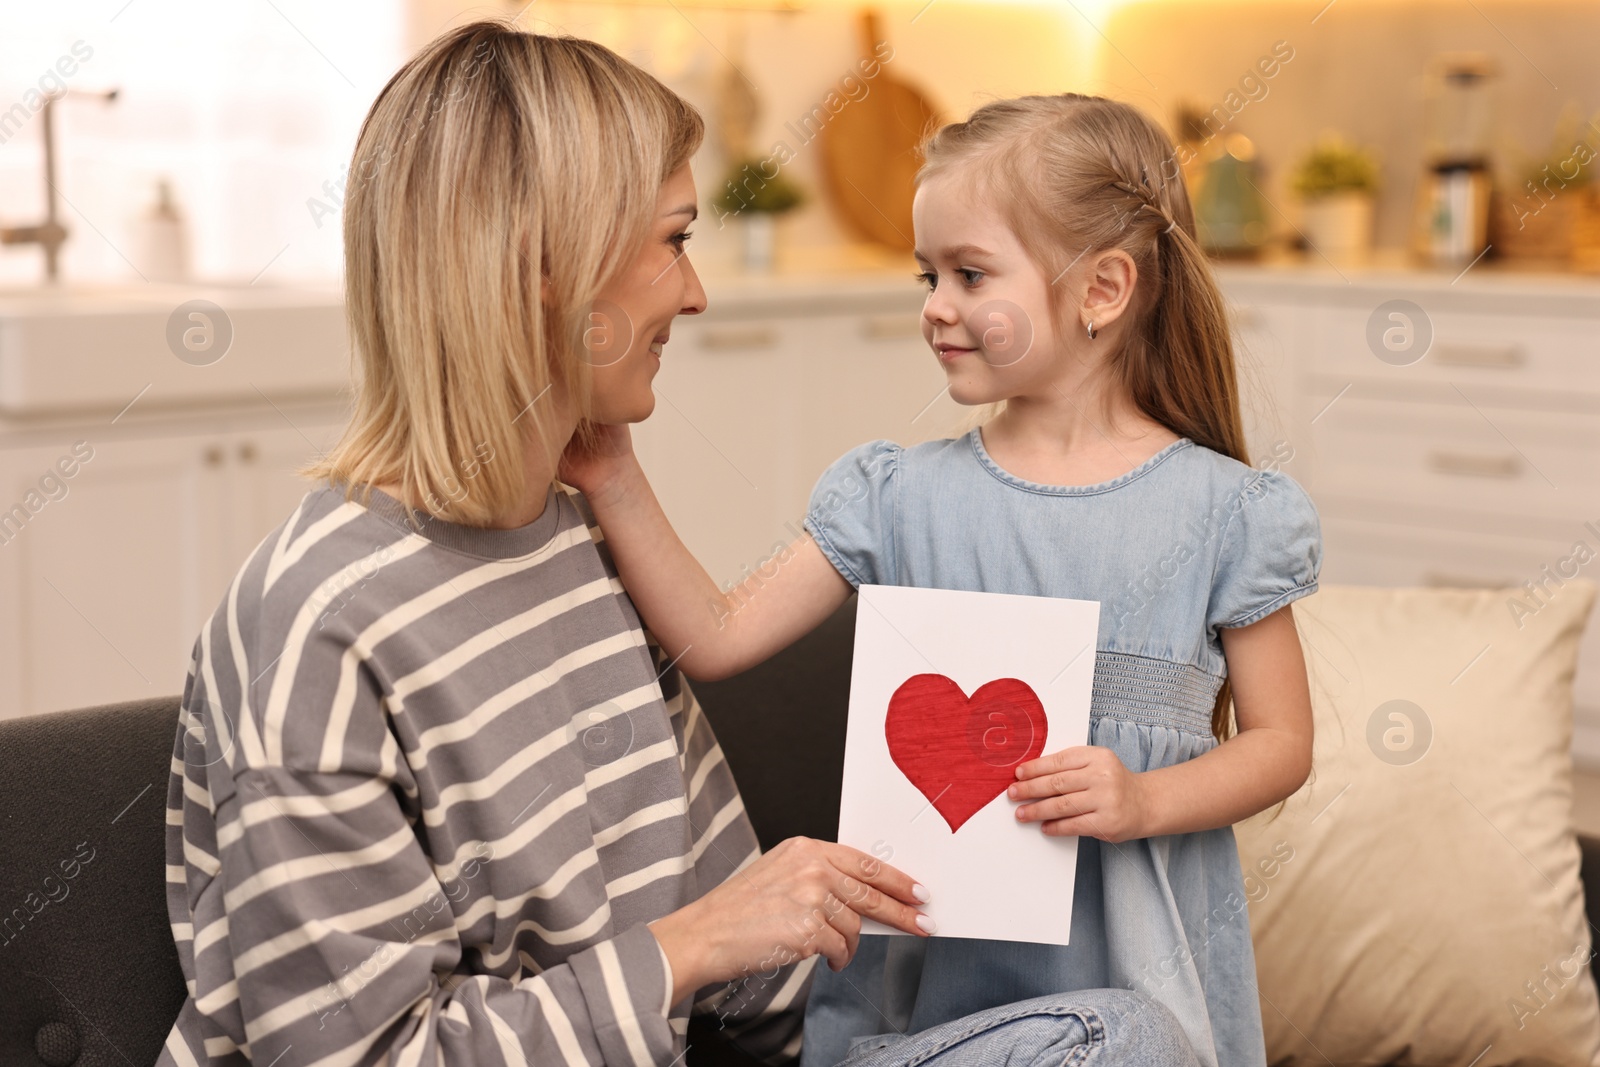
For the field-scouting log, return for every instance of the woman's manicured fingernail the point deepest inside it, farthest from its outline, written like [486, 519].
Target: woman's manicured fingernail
[927, 925]
[920, 891]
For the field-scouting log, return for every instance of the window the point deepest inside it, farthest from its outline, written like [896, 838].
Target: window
[249, 108]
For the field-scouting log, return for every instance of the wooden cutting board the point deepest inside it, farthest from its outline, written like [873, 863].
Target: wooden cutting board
[869, 150]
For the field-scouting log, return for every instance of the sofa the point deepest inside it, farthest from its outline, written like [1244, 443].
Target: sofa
[90, 977]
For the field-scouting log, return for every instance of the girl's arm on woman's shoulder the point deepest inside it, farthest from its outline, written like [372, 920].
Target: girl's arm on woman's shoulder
[711, 633]
[1087, 791]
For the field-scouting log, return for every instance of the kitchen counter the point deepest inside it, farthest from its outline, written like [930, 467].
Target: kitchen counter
[1549, 288]
[93, 351]
[806, 277]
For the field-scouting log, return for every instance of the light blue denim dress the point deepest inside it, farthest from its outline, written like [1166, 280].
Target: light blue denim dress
[1187, 542]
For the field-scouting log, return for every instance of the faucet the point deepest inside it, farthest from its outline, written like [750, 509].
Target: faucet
[49, 234]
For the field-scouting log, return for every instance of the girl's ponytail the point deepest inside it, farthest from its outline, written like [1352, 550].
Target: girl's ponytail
[1077, 173]
[1178, 362]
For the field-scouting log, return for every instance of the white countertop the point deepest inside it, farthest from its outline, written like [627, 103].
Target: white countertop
[845, 280]
[1393, 269]
[805, 276]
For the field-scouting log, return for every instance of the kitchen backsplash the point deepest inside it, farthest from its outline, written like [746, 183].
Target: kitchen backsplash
[957, 53]
[1358, 69]
[1351, 66]
[252, 114]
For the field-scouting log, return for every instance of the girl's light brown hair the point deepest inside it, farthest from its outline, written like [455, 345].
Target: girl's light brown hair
[1073, 175]
[492, 159]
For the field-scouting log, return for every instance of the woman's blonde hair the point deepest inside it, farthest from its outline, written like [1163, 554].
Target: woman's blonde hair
[1075, 174]
[493, 159]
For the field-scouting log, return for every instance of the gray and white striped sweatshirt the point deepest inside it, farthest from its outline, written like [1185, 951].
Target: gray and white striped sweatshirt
[427, 789]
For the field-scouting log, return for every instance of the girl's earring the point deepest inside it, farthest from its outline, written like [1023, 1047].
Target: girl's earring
[1091, 330]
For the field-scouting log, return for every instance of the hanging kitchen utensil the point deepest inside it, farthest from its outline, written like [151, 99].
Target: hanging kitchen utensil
[869, 149]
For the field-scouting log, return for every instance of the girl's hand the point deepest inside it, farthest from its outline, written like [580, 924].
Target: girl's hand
[1083, 791]
[603, 465]
[708, 632]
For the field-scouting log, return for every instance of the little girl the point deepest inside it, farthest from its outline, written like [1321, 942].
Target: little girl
[1066, 291]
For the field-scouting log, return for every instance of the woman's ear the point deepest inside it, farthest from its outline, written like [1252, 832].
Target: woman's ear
[1112, 277]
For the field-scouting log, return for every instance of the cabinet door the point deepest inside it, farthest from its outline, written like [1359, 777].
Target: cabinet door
[719, 447]
[1267, 337]
[1451, 463]
[750, 411]
[872, 377]
[266, 489]
[106, 586]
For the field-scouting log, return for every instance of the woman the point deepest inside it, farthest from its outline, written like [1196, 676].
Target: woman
[437, 798]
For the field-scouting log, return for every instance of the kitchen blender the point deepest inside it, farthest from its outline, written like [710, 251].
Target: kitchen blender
[1451, 222]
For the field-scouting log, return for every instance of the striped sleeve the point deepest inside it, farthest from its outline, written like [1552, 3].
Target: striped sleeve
[321, 933]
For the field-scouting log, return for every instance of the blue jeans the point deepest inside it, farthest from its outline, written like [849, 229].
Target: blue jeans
[1088, 1027]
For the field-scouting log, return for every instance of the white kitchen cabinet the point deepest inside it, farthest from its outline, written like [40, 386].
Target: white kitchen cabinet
[875, 378]
[1475, 465]
[104, 590]
[1471, 466]
[756, 398]
[720, 446]
[102, 583]
[265, 489]
[1525, 470]
[1268, 336]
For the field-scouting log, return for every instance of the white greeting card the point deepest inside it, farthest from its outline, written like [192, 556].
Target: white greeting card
[949, 692]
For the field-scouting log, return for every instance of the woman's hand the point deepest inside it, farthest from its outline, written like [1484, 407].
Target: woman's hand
[1083, 791]
[804, 898]
[602, 466]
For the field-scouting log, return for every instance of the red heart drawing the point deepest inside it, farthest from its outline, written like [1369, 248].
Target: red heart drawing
[962, 752]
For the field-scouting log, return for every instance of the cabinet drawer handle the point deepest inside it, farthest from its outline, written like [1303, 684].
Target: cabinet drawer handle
[1475, 466]
[212, 456]
[739, 337]
[1445, 580]
[891, 327]
[1455, 354]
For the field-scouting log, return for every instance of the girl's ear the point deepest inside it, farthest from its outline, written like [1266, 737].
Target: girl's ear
[1112, 277]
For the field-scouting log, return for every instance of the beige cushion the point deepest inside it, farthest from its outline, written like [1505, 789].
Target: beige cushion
[1418, 901]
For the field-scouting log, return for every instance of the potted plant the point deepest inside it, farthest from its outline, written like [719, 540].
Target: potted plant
[756, 193]
[1337, 183]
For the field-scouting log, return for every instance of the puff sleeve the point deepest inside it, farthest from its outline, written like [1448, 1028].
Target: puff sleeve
[852, 510]
[1270, 553]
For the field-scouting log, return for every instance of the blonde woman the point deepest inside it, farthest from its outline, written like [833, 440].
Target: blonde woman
[437, 796]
